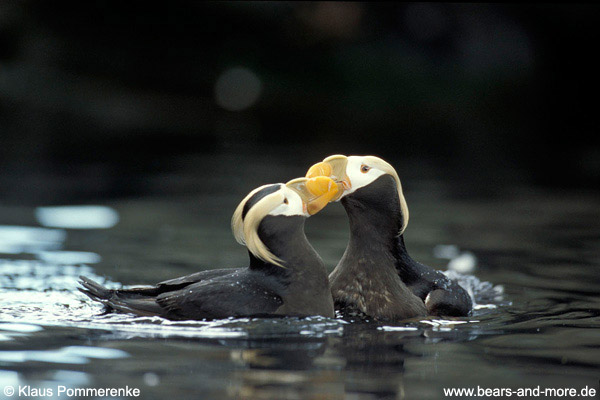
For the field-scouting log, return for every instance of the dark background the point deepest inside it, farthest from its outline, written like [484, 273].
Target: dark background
[96, 97]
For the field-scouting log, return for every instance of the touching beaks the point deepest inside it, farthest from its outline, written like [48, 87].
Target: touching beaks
[324, 189]
[315, 192]
[333, 167]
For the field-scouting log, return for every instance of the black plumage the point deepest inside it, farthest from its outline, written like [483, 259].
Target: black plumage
[299, 288]
[376, 275]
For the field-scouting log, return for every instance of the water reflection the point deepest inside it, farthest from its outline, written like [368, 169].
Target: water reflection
[24, 239]
[69, 257]
[71, 378]
[77, 217]
[9, 378]
[24, 328]
[64, 355]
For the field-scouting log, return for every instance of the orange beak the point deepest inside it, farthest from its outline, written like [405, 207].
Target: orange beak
[316, 192]
[333, 167]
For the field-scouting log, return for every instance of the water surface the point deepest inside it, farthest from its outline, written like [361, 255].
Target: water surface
[540, 246]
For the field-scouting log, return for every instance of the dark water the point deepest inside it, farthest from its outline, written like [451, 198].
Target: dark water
[540, 246]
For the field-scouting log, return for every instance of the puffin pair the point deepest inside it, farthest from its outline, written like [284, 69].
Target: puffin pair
[375, 278]
[285, 276]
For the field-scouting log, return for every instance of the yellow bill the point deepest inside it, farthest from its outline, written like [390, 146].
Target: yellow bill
[315, 192]
[333, 167]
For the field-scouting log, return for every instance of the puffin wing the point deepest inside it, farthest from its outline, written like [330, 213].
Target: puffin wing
[235, 295]
[177, 283]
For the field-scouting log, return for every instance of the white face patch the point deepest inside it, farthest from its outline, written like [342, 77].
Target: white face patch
[294, 205]
[361, 173]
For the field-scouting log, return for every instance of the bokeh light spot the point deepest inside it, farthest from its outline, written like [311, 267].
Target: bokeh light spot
[237, 89]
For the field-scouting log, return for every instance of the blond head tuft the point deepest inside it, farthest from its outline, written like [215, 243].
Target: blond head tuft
[245, 230]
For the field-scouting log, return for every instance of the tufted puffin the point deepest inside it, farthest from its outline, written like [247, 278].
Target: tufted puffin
[376, 276]
[285, 276]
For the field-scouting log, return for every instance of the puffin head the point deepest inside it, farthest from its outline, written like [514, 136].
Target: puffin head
[363, 179]
[282, 205]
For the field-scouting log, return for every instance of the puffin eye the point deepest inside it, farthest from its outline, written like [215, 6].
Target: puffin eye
[285, 201]
[364, 168]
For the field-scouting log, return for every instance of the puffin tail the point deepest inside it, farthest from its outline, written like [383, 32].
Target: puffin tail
[94, 290]
[125, 301]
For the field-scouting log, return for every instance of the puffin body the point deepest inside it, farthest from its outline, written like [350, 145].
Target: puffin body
[285, 276]
[376, 276]
[366, 278]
